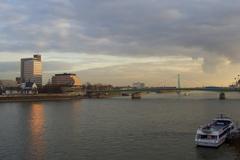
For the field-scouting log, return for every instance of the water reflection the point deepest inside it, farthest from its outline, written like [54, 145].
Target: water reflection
[76, 106]
[36, 127]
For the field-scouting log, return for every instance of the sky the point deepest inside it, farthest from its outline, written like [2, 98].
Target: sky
[123, 41]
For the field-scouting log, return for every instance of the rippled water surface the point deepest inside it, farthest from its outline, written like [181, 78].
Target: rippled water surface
[160, 126]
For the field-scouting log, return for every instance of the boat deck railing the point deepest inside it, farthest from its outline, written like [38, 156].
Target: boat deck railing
[212, 127]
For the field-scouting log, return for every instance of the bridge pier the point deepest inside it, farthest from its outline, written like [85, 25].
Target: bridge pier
[222, 96]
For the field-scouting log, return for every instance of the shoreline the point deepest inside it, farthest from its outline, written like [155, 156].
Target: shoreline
[39, 97]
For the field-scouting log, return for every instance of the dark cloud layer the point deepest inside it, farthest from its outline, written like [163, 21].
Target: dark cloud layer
[209, 29]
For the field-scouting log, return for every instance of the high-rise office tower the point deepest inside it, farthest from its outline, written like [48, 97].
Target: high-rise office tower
[31, 69]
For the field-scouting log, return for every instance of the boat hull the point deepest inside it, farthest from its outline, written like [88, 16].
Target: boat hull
[210, 144]
[207, 144]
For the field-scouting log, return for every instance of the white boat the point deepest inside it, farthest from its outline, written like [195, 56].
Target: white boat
[215, 133]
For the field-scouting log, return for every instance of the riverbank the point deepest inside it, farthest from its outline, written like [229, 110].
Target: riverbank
[39, 97]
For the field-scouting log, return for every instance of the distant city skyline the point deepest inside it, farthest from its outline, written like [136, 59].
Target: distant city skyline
[104, 65]
[121, 42]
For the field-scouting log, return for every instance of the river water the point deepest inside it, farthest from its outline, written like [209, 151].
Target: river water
[159, 126]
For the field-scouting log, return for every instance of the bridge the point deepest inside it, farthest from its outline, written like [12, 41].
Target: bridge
[178, 89]
[220, 90]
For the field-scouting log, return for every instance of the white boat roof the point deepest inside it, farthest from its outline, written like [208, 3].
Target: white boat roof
[215, 127]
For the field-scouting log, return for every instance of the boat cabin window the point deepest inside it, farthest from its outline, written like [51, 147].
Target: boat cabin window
[206, 136]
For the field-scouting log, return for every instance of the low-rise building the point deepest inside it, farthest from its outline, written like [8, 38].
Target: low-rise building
[29, 88]
[66, 79]
[138, 85]
[8, 87]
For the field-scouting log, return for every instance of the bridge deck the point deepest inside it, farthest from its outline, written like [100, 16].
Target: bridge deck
[171, 89]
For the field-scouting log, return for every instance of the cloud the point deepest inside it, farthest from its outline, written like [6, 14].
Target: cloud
[48, 66]
[9, 67]
[54, 66]
[154, 74]
[207, 29]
